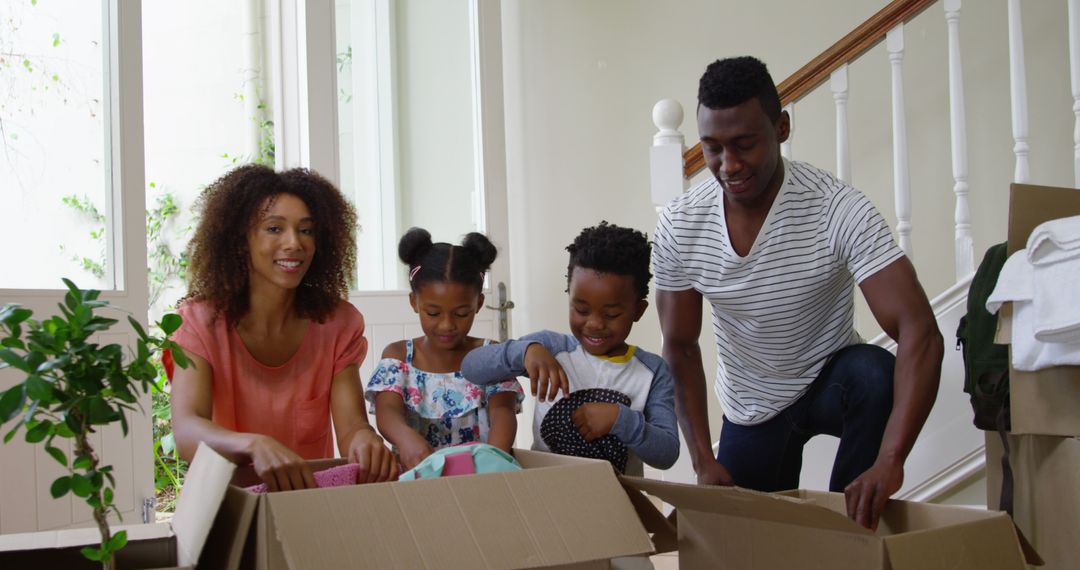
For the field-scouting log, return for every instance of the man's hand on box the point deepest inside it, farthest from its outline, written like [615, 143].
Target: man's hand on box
[278, 466]
[867, 494]
[595, 419]
[711, 472]
[375, 461]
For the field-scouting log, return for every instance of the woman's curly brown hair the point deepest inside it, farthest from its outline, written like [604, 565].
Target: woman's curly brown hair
[230, 208]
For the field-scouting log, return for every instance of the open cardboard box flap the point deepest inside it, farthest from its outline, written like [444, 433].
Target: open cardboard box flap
[557, 511]
[912, 535]
[747, 504]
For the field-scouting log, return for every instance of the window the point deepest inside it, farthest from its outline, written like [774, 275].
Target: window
[54, 180]
[407, 118]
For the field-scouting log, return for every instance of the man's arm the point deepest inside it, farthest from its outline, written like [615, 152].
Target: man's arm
[680, 323]
[901, 308]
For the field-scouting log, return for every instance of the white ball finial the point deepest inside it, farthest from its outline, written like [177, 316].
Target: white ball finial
[667, 115]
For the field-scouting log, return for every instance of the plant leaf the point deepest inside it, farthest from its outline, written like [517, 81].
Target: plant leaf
[138, 328]
[118, 541]
[168, 444]
[57, 455]
[170, 322]
[64, 431]
[91, 553]
[9, 357]
[38, 389]
[12, 314]
[11, 403]
[60, 487]
[12, 342]
[39, 432]
[179, 356]
[81, 486]
[81, 463]
[11, 434]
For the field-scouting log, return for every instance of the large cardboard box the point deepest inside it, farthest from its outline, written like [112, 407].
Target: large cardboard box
[1046, 504]
[558, 512]
[1045, 402]
[725, 527]
[149, 546]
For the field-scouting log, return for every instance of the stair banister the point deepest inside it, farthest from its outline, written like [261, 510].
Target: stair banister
[894, 44]
[964, 244]
[1018, 92]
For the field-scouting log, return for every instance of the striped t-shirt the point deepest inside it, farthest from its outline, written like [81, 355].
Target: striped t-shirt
[781, 311]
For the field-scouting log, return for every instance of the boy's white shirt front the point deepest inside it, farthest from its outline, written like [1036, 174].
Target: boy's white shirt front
[624, 374]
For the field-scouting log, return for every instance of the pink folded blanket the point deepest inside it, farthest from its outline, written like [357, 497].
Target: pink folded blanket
[332, 477]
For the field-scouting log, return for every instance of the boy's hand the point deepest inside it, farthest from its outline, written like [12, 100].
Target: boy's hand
[595, 420]
[545, 373]
[414, 451]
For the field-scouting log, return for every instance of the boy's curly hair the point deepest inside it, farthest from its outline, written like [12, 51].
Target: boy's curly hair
[730, 82]
[230, 208]
[608, 248]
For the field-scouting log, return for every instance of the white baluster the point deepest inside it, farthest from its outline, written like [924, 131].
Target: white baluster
[839, 84]
[666, 154]
[894, 43]
[1074, 70]
[964, 245]
[1018, 89]
[785, 147]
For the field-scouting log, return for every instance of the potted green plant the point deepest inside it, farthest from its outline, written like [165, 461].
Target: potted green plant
[72, 387]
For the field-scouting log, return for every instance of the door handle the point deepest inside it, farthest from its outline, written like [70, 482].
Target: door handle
[503, 308]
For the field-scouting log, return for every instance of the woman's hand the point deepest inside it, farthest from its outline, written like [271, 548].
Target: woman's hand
[278, 466]
[376, 462]
[545, 373]
[414, 450]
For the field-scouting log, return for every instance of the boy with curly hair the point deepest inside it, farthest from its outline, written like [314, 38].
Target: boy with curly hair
[632, 393]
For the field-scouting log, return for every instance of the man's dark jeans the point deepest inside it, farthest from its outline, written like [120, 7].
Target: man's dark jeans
[850, 399]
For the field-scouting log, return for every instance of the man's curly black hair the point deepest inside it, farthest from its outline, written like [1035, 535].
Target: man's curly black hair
[608, 248]
[232, 205]
[733, 81]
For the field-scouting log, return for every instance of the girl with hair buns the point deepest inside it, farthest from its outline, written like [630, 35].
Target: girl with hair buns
[276, 347]
[421, 400]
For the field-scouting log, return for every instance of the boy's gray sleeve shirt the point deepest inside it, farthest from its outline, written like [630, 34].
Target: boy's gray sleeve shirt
[654, 434]
[497, 362]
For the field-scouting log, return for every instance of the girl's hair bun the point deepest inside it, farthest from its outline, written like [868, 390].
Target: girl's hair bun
[480, 248]
[414, 245]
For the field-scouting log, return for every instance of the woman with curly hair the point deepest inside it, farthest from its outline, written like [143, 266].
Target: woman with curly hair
[275, 346]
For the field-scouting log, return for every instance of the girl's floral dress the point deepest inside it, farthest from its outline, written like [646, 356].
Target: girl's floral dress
[444, 407]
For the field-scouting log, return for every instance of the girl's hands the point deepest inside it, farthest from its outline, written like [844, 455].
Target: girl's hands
[375, 461]
[278, 466]
[595, 419]
[413, 451]
[545, 373]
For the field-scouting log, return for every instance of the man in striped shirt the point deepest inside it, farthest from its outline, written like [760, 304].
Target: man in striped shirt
[776, 247]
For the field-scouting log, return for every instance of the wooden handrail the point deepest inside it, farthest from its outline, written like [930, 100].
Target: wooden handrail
[847, 50]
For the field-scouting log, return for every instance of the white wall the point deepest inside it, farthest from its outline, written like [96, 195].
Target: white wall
[582, 77]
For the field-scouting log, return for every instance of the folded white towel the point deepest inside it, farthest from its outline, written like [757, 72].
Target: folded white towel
[1013, 284]
[1053, 241]
[1016, 284]
[1057, 301]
